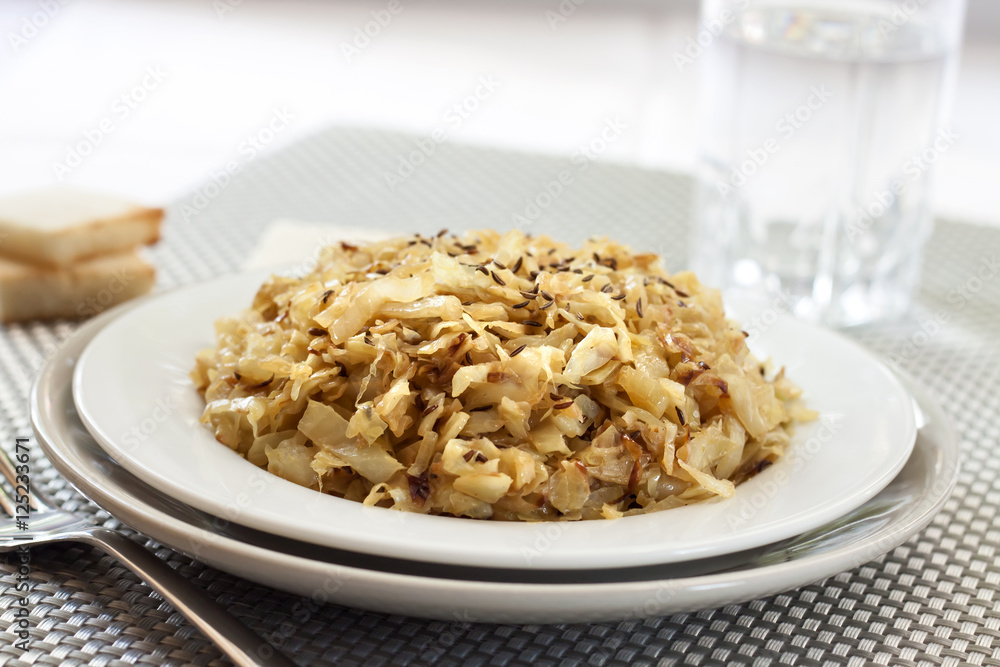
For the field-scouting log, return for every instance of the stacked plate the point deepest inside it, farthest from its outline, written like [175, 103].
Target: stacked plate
[117, 415]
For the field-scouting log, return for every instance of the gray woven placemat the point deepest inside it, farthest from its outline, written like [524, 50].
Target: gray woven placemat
[933, 601]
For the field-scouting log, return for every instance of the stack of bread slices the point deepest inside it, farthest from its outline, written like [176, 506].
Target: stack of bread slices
[68, 253]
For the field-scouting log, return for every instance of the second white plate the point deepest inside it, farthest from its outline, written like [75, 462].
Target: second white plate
[445, 592]
[529, 596]
[133, 393]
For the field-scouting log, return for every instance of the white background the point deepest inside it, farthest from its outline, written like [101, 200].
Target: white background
[64, 67]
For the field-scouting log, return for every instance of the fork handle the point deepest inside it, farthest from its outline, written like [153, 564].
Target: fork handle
[243, 646]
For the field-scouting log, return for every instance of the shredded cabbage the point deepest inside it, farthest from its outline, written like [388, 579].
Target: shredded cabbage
[496, 376]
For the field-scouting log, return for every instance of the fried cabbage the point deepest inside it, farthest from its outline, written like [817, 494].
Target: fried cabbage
[496, 376]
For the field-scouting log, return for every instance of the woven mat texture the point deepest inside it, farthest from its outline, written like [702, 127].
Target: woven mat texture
[933, 601]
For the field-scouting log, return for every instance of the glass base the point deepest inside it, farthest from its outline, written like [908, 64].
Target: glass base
[816, 299]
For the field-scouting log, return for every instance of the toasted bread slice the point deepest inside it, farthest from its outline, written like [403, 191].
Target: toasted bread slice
[29, 291]
[60, 226]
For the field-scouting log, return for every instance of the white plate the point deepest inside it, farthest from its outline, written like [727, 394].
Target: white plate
[896, 513]
[132, 390]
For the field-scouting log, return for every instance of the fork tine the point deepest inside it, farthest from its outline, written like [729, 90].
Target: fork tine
[7, 467]
[6, 502]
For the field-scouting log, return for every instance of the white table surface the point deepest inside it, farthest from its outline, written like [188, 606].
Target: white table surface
[225, 76]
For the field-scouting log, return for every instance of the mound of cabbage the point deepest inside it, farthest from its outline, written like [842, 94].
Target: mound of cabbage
[487, 376]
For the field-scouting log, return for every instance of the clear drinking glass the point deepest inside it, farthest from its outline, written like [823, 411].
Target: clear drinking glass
[821, 121]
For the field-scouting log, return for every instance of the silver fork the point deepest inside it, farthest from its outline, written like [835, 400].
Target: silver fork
[47, 523]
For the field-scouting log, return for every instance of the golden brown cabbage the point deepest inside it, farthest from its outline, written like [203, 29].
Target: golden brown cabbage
[490, 376]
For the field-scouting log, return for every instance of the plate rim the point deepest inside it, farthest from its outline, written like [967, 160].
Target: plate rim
[556, 556]
[562, 599]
